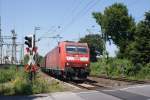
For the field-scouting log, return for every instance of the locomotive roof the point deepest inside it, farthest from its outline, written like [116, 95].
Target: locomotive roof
[74, 43]
[69, 43]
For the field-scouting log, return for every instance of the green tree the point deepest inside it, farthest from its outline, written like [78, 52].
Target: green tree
[95, 44]
[139, 50]
[117, 25]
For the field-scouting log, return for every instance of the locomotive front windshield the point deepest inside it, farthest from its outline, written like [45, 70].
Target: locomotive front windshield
[82, 50]
[71, 49]
[76, 49]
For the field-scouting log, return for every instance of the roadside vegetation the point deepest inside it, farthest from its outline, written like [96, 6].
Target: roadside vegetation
[114, 67]
[14, 82]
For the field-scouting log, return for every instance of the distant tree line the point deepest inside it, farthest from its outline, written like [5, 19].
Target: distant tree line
[131, 38]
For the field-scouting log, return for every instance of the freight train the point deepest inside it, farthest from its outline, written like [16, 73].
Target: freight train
[69, 60]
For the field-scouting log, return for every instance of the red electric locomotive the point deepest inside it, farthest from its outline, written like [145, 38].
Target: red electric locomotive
[69, 60]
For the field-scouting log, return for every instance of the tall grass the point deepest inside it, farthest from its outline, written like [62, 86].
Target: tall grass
[114, 67]
[7, 75]
[14, 82]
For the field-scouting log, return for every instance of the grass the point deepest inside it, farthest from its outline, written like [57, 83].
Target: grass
[14, 82]
[97, 68]
[120, 68]
[7, 75]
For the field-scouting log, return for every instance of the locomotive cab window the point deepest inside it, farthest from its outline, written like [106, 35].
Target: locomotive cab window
[76, 49]
[71, 49]
[82, 50]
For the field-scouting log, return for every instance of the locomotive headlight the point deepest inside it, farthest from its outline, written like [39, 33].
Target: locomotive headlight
[67, 64]
[86, 65]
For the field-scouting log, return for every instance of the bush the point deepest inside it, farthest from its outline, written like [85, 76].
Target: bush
[18, 83]
[21, 86]
[40, 86]
[144, 73]
[97, 67]
[6, 89]
[118, 67]
[7, 75]
[112, 67]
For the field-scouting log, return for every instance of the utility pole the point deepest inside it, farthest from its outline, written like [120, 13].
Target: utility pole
[35, 29]
[34, 43]
[22, 53]
[13, 44]
[14, 60]
[1, 45]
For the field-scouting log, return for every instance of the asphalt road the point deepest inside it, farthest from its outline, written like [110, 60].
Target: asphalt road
[138, 92]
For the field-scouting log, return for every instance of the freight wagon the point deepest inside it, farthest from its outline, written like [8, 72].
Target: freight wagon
[69, 60]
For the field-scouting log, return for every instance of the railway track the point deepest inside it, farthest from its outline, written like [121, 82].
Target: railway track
[92, 84]
[121, 79]
[89, 85]
[81, 86]
[102, 82]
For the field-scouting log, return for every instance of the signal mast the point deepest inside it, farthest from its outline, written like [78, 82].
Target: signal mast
[31, 67]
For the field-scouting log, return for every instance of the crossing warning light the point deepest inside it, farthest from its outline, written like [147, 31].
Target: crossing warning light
[29, 41]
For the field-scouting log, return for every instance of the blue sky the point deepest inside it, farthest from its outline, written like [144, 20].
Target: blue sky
[73, 16]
